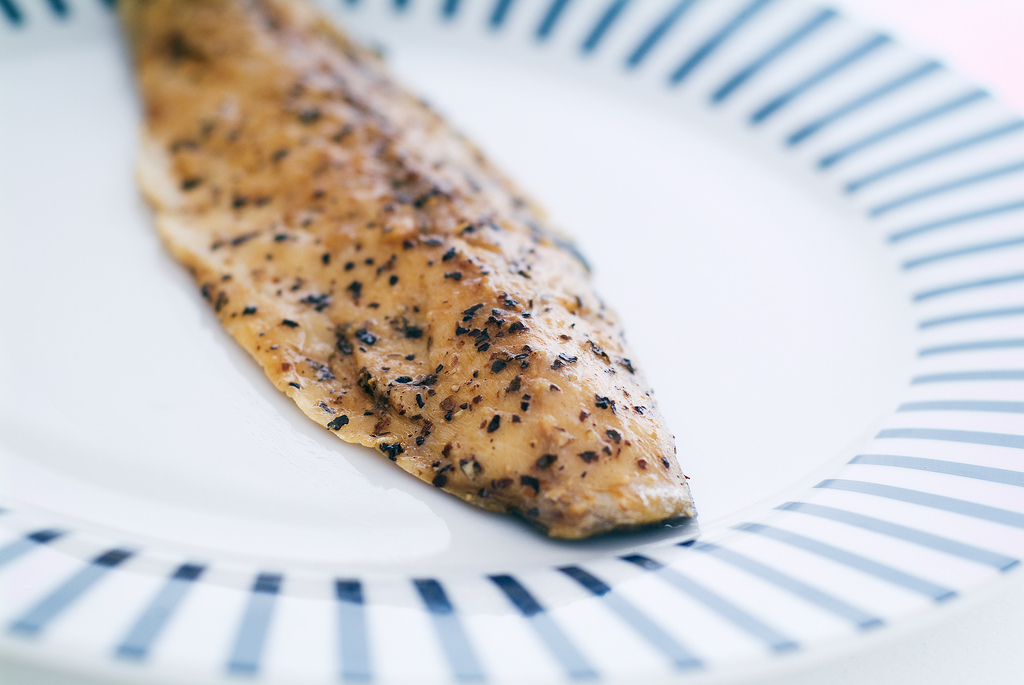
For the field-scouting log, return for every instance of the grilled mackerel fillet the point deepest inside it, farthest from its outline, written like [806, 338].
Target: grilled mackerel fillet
[399, 288]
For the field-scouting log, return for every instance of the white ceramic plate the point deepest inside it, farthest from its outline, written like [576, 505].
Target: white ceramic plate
[812, 233]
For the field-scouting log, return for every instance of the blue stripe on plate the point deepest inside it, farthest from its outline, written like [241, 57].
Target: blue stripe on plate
[603, 25]
[958, 219]
[949, 435]
[971, 316]
[902, 126]
[926, 499]
[823, 600]
[550, 20]
[354, 645]
[401, 5]
[918, 537]
[449, 9]
[461, 658]
[33, 621]
[952, 468]
[981, 177]
[855, 561]
[58, 7]
[11, 12]
[863, 100]
[717, 39]
[681, 657]
[964, 405]
[966, 376]
[972, 346]
[551, 635]
[965, 251]
[801, 33]
[658, 32]
[969, 285]
[775, 640]
[936, 153]
[823, 74]
[140, 637]
[252, 632]
[15, 549]
[501, 9]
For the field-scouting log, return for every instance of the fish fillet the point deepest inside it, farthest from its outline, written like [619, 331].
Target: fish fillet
[399, 288]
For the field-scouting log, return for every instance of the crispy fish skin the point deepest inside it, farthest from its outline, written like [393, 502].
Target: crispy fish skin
[390, 280]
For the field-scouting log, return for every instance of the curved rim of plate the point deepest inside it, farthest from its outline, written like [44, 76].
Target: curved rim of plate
[938, 472]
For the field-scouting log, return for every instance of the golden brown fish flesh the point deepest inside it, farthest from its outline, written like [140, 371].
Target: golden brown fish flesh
[385, 275]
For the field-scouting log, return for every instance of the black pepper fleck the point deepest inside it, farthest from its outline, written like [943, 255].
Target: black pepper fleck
[366, 337]
[338, 423]
[562, 360]
[310, 115]
[343, 345]
[245, 237]
[318, 302]
[546, 461]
